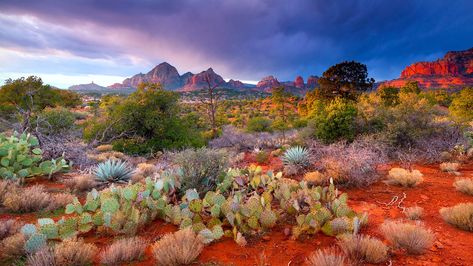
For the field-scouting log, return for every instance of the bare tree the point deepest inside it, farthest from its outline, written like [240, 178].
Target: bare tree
[211, 101]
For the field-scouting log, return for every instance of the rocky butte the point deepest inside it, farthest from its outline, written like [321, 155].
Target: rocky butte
[454, 70]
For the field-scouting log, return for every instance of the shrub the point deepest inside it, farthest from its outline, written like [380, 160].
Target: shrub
[326, 257]
[259, 124]
[460, 215]
[336, 122]
[59, 200]
[74, 252]
[403, 177]
[315, 178]
[462, 104]
[262, 157]
[464, 185]
[181, 247]
[104, 148]
[449, 167]
[146, 169]
[123, 251]
[54, 121]
[414, 213]
[28, 199]
[363, 249]
[201, 168]
[43, 257]
[414, 238]
[12, 246]
[113, 171]
[80, 183]
[8, 228]
[351, 164]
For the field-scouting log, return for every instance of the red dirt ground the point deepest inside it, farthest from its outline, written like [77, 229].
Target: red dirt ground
[452, 246]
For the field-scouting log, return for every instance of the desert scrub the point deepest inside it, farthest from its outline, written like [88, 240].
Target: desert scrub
[414, 213]
[123, 251]
[404, 177]
[104, 148]
[460, 215]
[113, 171]
[179, 248]
[8, 228]
[464, 185]
[28, 199]
[363, 249]
[74, 252]
[12, 246]
[327, 257]
[201, 168]
[450, 167]
[315, 178]
[262, 157]
[80, 183]
[42, 257]
[414, 238]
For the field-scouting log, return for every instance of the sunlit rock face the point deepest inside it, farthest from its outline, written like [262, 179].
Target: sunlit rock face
[455, 69]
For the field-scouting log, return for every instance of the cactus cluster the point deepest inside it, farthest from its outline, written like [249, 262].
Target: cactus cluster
[21, 157]
[245, 210]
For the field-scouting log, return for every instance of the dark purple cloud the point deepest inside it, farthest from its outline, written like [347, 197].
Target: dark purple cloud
[242, 38]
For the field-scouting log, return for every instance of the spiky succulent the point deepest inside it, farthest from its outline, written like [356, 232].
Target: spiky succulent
[296, 155]
[113, 171]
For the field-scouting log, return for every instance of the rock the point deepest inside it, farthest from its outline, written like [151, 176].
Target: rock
[424, 197]
[266, 238]
[438, 245]
[299, 82]
[198, 81]
[312, 82]
[267, 83]
[454, 69]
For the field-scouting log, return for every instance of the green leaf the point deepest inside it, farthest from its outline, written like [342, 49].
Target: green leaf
[37, 151]
[5, 161]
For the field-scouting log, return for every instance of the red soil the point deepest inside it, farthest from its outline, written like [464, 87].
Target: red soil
[452, 246]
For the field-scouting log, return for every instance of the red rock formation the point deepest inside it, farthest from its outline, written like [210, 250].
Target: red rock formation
[198, 81]
[312, 82]
[455, 69]
[267, 83]
[299, 82]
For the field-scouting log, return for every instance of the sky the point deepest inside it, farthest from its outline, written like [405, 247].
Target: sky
[74, 42]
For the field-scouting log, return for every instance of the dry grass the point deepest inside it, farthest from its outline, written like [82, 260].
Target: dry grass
[181, 247]
[28, 199]
[60, 200]
[124, 250]
[464, 185]
[450, 167]
[363, 249]
[403, 177]
[326, 257]
[414, 238]
[6, 186]
[109, 155]
[414, 213]
[43, 257]
[315, 178]
[74, 252]
[12, 246]
[146, 169]
[81, 183]
[104, 148]
[9, 227]
[460, 215]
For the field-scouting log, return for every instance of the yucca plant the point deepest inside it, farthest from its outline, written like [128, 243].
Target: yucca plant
[297, 156]
[113, 171]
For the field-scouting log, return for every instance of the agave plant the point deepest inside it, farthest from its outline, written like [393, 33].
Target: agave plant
[298, 156]
[113, 171]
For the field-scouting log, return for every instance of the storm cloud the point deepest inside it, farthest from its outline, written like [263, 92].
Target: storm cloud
[240, 39]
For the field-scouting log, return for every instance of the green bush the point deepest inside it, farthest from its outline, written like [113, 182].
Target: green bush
[57, 120]
[462, 105]
[259, 124]
[262, 157]
[336, 122]
[21, 157]
[202, 168]
[147, 121]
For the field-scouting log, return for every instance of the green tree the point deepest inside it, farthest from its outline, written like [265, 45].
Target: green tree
[259, 124]
[346, 80]
[27, 96]
[281, 99]
[146, 121]
[462, 105]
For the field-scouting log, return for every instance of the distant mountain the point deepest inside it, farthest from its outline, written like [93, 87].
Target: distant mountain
[87, 87]
[169, 77]
[94, 88]
[455, 69]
